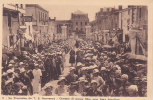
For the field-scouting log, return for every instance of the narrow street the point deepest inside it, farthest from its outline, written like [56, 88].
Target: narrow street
[64, 73]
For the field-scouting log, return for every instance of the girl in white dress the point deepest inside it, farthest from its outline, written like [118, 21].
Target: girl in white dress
[36, 82]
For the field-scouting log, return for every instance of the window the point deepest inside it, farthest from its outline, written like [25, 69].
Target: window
[9, 20]
[140, 13]
[29, 31]
[85, 23]
[76, 29]
[81, 23]
[76, 23]
[21, 6]
[39, 15]
[128, 11]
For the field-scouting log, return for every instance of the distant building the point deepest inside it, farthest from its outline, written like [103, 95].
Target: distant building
[107, 18]
[119, 22]
[40, 22]
[59, 25]
[79, 21]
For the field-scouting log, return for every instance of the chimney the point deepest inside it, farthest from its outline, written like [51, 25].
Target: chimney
[120, 7]
[107, 9]
[101, 9]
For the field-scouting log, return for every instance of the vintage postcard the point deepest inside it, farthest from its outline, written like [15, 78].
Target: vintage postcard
[76, 51]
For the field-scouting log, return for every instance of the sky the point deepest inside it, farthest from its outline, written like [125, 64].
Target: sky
[63, 12]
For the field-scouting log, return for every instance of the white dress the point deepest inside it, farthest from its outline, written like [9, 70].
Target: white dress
[36, 81]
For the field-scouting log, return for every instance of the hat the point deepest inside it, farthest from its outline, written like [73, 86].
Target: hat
[94, 81]
[83, 68]
[19, 84]
[144, 79]
[105, 57]
[124, 76]
[25, 52]
[133, 88]
[79, 64]
[48, 85]
[103, 68]
[15, 58]
[35, 64]
[10, 70]
[24, 87]
[62, 79]
[72, 86]
[8, 81]
[22, 70]
[95, 71]
[72, 68]
[82, 79]
[21, 63]
[10, 65]
[118, 72]
[118, 67]
[11, 62]
[136, 78]
[4, 74]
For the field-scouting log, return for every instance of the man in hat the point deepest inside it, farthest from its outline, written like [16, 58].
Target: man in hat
[25, 79]
[61, 90]
[132, 90]
[93, 90]
[82, 87]
[72, 90]
[124, 84]
[48, 90]
[100, 81]
[71, 77]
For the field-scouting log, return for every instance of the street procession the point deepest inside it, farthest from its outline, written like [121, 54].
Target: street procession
[75, 62]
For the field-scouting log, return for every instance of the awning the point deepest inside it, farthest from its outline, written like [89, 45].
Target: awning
[135, 57]
[107, 46]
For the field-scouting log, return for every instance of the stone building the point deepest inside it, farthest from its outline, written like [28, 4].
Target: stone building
[130, 24]
[63, 25]
[40, 22]
[79, 22]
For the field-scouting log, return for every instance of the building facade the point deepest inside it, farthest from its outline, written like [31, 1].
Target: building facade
[13, 26]
[120, 22]
[79, 22]
[40, 22]
[63, 29]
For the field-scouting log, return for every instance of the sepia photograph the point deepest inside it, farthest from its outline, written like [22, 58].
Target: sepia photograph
[57, 50]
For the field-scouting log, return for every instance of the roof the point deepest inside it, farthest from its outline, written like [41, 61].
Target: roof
[78, 12]
[36, 5]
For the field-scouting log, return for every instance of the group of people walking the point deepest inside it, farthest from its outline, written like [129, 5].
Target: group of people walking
[101, 71]
[95, 70]
[27, 73]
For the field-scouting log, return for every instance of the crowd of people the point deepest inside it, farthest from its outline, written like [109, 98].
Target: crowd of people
[95, 70]
[101, 70]
[27, 73]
